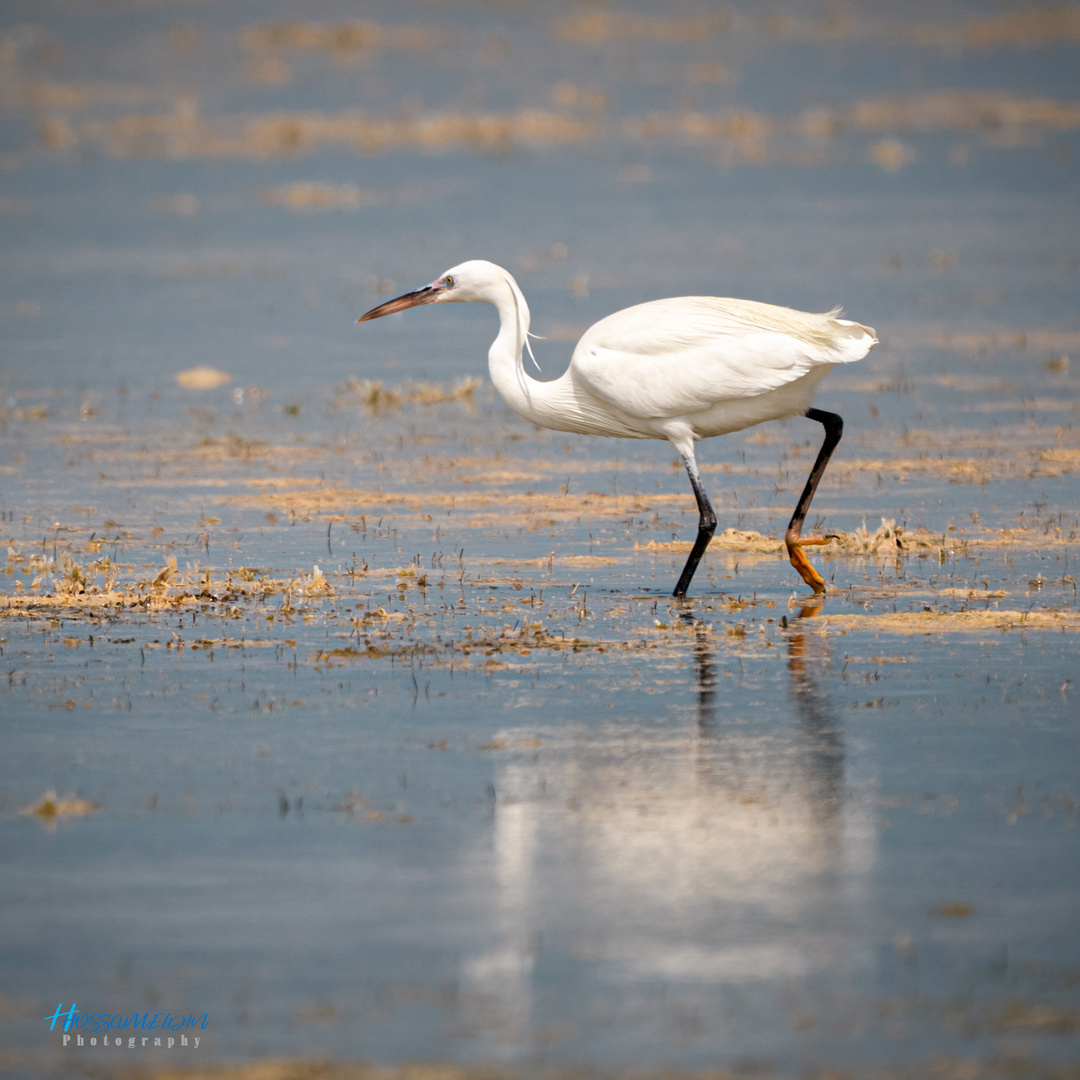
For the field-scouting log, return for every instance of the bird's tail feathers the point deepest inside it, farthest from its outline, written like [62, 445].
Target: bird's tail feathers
[852, 340]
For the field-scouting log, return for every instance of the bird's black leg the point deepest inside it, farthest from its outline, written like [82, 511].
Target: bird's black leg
[793, 538]
[706, 527]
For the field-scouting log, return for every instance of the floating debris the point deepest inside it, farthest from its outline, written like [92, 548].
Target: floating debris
[52, 806]
[202, 378]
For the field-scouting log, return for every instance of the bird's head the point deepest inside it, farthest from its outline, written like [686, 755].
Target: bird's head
[473, 280]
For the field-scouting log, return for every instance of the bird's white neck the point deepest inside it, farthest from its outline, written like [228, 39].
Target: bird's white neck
[562, 404]
[543, 403]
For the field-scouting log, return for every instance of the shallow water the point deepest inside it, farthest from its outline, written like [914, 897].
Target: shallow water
[346, 708]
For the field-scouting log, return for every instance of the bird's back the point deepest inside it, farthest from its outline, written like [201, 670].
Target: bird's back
[685, 355]
[688, 322]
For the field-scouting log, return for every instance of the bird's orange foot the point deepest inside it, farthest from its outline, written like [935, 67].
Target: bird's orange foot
[802, 564]
[810, 541]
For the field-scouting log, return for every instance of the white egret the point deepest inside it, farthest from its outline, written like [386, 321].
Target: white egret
[682, 369]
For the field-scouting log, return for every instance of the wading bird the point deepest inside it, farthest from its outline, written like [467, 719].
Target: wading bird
[682, 369]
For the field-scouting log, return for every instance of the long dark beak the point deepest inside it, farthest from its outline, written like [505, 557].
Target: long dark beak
[426, 295]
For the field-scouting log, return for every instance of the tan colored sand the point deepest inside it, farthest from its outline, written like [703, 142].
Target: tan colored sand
[949, 622]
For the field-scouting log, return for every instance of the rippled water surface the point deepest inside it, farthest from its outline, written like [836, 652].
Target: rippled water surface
[348, 709]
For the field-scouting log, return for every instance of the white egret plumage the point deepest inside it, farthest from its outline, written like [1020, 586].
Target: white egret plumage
[682, 369]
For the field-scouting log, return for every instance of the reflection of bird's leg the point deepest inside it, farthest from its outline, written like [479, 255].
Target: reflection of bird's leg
[793, 538]
[706, 525]
[825, 762]
[796, 663]
[706, 679]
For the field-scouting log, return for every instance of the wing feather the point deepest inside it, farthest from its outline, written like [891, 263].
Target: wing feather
[677, 357]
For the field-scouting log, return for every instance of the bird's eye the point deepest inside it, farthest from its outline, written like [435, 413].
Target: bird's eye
[449, 281]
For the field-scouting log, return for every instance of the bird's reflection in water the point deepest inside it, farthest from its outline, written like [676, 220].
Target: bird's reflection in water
[817, 735]
[705, 665]
[719, 852]
[825, 749]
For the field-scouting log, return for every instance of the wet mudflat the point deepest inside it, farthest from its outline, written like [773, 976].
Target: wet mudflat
[347, 709]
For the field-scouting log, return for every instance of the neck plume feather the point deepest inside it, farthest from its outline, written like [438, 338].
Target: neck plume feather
[525, 395]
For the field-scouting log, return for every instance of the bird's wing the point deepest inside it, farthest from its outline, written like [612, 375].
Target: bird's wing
[677, 357]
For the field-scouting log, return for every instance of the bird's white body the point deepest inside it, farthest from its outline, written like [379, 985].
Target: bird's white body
[682, 369]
